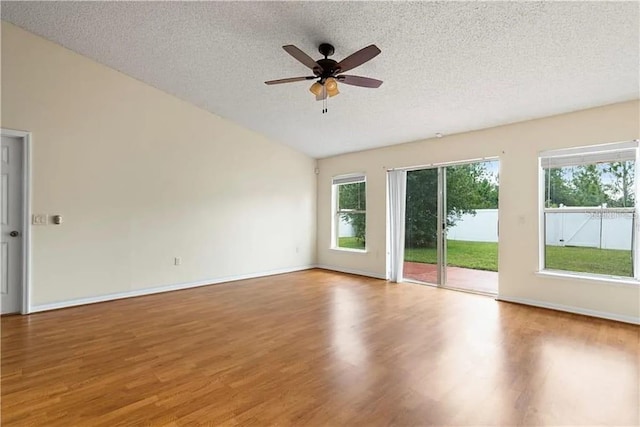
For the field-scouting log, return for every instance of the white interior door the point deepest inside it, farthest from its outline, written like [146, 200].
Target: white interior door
[11, 213]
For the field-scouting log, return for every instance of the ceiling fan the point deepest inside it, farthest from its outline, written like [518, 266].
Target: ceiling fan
[328, 73]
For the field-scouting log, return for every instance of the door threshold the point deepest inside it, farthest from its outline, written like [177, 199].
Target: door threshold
[452, 288]
[470, 291]
[418, 282]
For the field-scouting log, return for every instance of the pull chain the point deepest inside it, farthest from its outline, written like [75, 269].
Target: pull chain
[324, 100]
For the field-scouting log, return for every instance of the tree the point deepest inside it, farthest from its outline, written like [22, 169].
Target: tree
[621, 190]
[558, 189]
[488, 192]
[589, 190]
[469, 187]
[421, 216]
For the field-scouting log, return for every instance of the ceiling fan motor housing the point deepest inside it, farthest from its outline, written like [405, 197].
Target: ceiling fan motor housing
[328, 68]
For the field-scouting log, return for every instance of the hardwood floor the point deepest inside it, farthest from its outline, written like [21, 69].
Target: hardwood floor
[317, 348]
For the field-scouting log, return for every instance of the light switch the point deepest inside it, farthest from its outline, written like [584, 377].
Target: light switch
[39, 219]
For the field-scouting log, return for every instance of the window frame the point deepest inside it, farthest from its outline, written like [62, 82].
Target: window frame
[336, 182]
[589, 152]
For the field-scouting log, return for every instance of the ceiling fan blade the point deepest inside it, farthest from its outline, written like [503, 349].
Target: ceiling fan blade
[358, 58]
[301, 56]
[359, 81]
[289, 80]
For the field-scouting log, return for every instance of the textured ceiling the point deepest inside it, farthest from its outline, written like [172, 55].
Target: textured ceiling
[448, 67]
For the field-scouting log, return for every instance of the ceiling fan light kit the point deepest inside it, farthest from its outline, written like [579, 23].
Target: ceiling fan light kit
[316, 89]
[328, 72]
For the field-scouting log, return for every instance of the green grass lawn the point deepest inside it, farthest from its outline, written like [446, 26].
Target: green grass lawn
[589, 260]
[350, 243]
[476, 255]
[484, 256]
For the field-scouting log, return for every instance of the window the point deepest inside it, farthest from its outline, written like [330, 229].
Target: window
[589, 210]
[350, 212]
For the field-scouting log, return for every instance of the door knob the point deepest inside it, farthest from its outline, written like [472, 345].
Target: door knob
[14, 234]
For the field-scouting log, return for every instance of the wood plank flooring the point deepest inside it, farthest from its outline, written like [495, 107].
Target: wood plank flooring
[317, 348]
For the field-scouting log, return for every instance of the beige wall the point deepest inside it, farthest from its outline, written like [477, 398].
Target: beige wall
[142, 177]
[517, 147]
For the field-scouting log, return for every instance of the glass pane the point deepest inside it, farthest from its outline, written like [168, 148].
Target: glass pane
[590, 242]
[472, 226]
[421, 225]
[352, 196]
[591, 185]
[351, 230]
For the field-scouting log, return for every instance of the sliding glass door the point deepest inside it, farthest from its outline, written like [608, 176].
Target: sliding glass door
[451, 226]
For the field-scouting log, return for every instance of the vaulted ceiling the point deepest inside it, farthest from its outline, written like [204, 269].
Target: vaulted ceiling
[447, 67]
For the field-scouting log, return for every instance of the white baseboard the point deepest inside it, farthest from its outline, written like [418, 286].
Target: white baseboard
[571, 309]
[159, 289]
[179, 286]
[351, 271]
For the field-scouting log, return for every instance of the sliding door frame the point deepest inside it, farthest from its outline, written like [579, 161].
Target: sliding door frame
[441, 235]
[442, 227]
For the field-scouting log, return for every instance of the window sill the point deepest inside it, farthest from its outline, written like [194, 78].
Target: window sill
[358, 251]
[609, 280]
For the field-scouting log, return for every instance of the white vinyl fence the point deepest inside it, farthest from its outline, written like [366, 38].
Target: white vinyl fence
[606, 229]
[345, 229]
[481, 227]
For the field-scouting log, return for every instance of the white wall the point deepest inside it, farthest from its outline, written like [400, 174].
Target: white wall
[517, 147]
[141, 177]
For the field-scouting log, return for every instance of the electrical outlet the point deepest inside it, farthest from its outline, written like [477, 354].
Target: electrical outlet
[177, 261]
[39, 219]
